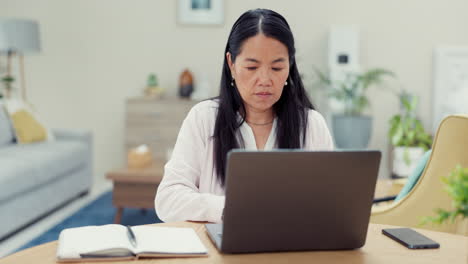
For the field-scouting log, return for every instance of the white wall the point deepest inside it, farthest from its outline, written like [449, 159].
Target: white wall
[97, 53]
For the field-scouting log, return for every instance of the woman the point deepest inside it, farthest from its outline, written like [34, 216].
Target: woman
[262, 105]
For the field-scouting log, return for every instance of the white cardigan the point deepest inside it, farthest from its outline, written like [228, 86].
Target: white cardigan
[190, 189]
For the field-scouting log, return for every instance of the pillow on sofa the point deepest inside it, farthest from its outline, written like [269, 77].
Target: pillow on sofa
[27, 126]
[6, 131]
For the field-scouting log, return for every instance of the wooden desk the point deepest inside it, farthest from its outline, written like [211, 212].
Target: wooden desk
[378, 249]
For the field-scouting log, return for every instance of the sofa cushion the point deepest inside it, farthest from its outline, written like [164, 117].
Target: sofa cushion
[6, 130]
[27, 125]
[25, 167]
[27, 128]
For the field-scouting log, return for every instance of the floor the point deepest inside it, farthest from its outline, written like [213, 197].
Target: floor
[14, 242]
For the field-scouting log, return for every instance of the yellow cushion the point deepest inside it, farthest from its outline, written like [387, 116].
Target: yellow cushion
[27, 128]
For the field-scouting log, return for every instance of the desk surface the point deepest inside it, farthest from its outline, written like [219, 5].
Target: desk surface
[378, 249]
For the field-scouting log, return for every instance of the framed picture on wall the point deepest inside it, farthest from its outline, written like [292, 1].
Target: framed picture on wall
[200, 12]
[450, 91]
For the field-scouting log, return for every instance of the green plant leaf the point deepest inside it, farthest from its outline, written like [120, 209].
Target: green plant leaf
[323, 78]
[411, 135]
[414, 103]
[360, 104]
[408, 129]
[456, 185]
[351, 90]
[394, 124]
[152, 80]
[406, 104]
[398, 136]
[8, 79]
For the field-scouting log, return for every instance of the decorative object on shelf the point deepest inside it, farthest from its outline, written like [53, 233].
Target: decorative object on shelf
[139, 157]
[152, 88]
[200, 12]
[456, 185]
[186, 84]
[408, 136]
[17, 37]
[352, 129]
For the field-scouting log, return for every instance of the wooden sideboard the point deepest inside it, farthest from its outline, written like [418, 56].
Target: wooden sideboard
[155, 122]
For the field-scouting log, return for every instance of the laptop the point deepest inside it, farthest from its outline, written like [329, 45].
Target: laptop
[287, 200]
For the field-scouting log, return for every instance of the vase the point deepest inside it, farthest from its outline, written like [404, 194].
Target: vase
[351, 131]
[186, 84]
[405, 160]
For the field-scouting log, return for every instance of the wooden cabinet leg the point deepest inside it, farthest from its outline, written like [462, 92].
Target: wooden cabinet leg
[118, 215]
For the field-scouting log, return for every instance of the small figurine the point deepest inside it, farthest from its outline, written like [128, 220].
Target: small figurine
[152, 88]
[186, 84]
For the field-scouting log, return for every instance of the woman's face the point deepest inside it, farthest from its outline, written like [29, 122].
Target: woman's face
[260, 72]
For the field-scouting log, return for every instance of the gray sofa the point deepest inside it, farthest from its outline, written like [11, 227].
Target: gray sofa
[37, 178]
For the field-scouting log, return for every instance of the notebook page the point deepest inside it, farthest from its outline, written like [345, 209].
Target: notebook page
[168, 240]
[106, 239]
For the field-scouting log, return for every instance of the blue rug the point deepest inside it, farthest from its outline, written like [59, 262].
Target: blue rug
[98, 212]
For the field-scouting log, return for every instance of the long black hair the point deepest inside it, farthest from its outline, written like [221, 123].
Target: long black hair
[292, 107]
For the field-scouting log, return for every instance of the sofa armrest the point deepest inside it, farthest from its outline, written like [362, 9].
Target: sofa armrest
[84, 136]
[68, 134]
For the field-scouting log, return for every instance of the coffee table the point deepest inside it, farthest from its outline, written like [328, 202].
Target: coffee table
[135, 188]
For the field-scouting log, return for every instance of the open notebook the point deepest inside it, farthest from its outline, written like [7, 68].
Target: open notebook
[111, 242]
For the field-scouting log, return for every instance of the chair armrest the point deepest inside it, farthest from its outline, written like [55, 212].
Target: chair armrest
[384, 199]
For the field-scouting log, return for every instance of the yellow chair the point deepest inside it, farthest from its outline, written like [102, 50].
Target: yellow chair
[450, 148]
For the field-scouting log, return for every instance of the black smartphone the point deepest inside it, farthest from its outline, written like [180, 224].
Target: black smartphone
[410, 238]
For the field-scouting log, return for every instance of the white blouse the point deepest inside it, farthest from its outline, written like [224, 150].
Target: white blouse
[190, 189]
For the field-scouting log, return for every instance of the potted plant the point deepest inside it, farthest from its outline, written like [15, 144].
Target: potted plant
[456, 184]
[152, 88]
[7, 83]
[351, 128]
[408, 137]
